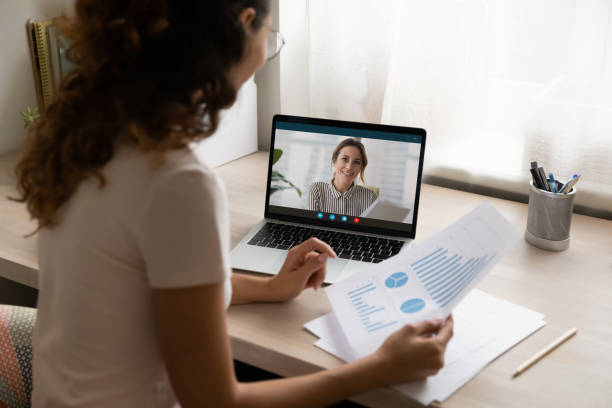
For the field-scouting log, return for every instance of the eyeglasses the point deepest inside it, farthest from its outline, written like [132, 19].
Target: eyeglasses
[275, 42]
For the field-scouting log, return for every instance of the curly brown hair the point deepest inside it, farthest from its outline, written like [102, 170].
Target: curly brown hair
[149, 74]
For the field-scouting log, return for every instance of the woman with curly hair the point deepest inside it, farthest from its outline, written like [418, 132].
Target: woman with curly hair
[133, 230]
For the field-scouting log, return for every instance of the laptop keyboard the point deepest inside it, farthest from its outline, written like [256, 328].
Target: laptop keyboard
[346, 245]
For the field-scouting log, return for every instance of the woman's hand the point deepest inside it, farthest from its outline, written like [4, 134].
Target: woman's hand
[305, 267]
[415, 351]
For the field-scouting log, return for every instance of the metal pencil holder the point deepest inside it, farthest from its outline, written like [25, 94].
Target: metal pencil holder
[549, 218]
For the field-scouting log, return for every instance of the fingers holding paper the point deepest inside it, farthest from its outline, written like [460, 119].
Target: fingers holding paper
[446, 331]
[416, 350]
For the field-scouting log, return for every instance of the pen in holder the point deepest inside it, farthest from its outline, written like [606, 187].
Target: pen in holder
[549, 218]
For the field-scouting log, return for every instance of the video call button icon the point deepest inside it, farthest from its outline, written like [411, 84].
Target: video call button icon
[332, 217]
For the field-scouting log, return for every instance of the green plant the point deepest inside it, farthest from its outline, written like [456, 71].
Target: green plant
[279, 178]
[30, 115]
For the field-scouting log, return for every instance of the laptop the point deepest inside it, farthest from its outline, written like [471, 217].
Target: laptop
[363, 201]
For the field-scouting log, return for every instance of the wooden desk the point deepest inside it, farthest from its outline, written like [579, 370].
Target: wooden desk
[573, 288]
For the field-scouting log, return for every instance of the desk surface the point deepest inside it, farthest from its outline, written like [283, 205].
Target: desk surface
[572, 288]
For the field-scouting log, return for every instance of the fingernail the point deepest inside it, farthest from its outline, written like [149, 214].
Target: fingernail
[322, 258]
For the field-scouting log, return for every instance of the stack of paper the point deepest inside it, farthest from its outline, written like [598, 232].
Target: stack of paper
[429, 281]
[485, 327]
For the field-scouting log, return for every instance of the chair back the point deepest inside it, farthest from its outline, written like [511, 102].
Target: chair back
[16, 328]
[376, 190]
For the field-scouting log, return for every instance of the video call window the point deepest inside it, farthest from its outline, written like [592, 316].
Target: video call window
[316, 168]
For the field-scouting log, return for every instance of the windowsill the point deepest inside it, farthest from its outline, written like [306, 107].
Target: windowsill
[589, 200]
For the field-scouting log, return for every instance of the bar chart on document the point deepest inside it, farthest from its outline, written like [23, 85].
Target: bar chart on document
[373, 312]
[445, 274]
[450, 265]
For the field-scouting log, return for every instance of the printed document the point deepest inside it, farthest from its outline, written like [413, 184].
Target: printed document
[427, 281]
[485, 327]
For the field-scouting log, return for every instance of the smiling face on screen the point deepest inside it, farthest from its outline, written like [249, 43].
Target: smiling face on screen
[347, 166]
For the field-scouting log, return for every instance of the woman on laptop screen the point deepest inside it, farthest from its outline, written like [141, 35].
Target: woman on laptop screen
[342, 195]
[133, 230]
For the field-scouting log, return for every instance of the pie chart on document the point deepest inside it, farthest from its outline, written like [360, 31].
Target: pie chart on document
[396, 280]
[412, 305]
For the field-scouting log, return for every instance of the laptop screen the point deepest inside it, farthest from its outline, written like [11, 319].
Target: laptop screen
[349, 175]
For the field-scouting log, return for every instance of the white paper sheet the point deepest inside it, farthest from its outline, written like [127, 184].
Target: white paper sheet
[485, 327]
[425, 282]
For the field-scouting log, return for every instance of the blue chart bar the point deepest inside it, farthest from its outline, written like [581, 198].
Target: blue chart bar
[359, 291]
[368, 312]
[379, 325]
[444, 276]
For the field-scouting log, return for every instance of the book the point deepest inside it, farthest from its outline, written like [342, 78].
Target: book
[41, 61]
[54, 55]
[48, 54]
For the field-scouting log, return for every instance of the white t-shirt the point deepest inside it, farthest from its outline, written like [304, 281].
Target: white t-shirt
[95, 341]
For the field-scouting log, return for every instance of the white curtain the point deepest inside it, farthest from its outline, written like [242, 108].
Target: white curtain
[496, 83]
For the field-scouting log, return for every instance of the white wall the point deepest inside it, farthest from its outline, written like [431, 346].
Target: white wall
[237, 132]
[295, 58]
[16, 79]
[283, 83]
[268, 91]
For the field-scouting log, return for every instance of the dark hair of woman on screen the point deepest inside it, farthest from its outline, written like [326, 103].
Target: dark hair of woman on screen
[133, 230]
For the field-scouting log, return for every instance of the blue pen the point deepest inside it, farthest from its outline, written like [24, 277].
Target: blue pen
[552, 182]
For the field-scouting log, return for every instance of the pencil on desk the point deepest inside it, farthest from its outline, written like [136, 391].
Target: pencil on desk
[538, 356]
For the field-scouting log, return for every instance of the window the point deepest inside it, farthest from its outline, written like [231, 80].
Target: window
[496, 83]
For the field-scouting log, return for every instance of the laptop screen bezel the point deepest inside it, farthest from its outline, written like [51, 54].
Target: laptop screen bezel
[351, 125]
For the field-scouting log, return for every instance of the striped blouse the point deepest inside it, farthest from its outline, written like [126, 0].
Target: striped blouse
[323, 196]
